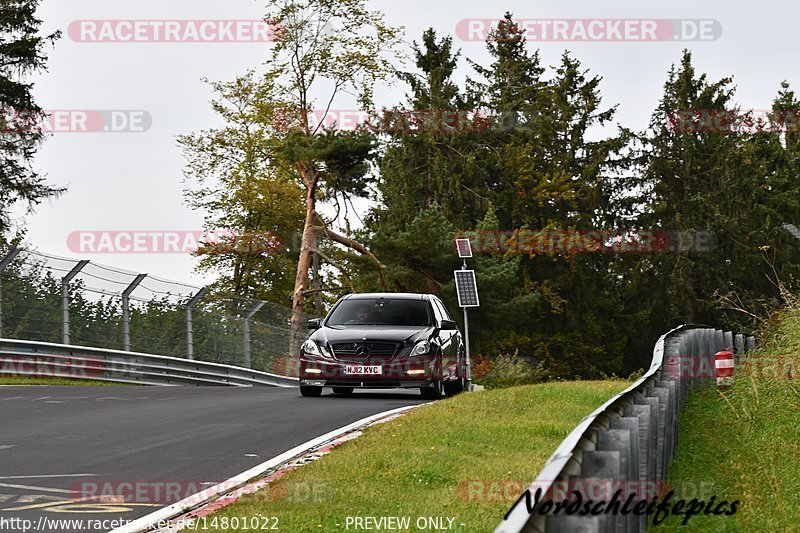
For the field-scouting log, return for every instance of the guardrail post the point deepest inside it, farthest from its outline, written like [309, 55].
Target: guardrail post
[126, 311]
[651, 403]
[247, 317]
[738, 346]
[622, 438]
[602, 466]
[709, 351]
[750, 343]
[189, 325]
[65, 299]
[662, 396]
[562, 522]
[4, 262]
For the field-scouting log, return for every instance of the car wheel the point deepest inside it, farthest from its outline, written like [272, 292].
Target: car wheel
[310, 391]
[433, 393]
[343, 390]
[451, 388]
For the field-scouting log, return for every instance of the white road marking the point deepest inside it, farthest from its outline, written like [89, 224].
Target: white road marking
[48, 476]
[29, 487]
[7, 446]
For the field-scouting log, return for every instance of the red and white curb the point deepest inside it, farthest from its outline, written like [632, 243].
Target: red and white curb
[214, 498]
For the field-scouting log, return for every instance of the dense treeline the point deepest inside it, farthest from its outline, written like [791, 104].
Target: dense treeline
[519, 148]
[712, 174]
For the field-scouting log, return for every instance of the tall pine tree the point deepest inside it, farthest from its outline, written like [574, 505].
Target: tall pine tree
[22, 52]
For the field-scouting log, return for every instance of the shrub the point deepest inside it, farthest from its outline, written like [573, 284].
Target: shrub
[481, 366]
[511, 371]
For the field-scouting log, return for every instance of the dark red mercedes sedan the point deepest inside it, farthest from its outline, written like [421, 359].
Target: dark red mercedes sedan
[381, 341]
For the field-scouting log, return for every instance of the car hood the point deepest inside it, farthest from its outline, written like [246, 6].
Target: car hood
[339, 334]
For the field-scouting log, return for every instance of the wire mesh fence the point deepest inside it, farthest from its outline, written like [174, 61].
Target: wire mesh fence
[55, 299]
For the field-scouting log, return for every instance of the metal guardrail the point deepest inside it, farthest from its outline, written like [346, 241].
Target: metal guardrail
[28, 358]
[631, 438]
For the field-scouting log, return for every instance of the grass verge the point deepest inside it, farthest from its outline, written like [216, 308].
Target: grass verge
[465, 458]
[743, 442]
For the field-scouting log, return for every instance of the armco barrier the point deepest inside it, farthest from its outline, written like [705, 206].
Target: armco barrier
[628, 442]
[28, 358]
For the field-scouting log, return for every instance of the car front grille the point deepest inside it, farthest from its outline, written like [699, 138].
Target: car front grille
[354, 350]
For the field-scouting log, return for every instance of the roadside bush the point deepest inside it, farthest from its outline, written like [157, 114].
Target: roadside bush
[481, 366]
[511, 371]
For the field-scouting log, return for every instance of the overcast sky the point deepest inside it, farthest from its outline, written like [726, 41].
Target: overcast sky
[133, 181]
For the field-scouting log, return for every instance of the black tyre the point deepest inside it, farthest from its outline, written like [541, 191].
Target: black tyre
[310, 391]
[433, 393]
[451, 388]
[347, 391]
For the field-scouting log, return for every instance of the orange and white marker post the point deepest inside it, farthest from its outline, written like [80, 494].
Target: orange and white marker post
[724, 362]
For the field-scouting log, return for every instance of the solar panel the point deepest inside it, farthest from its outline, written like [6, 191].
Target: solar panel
[464, 248]
[466, 288]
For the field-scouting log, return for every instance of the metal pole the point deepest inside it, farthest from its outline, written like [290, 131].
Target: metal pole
[247, 318]
[3, 264]
[65, 299]
[126, 311]
[466, 339]
[469, 364]
[189, 325]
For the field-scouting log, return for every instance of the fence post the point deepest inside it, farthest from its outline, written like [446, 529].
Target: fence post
[65, 298]
[189, 325]
[247, 317]
[126, 311]
[4, 262]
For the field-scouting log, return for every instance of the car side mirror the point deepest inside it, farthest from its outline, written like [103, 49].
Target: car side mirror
[448, 324]
[314, 323]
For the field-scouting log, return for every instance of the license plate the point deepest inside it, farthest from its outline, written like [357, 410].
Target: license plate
[363, 370]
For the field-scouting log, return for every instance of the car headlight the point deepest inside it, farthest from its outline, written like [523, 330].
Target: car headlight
[310, 348]
[421, 348]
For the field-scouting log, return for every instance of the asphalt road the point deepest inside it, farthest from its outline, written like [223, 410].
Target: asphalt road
[58, 443]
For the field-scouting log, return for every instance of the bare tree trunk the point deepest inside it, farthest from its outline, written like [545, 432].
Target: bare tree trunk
[317, 282]
[307, 243]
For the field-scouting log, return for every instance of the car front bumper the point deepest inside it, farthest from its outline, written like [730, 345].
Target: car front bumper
[401, 372]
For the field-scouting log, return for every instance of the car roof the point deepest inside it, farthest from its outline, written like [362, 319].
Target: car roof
[388, 296]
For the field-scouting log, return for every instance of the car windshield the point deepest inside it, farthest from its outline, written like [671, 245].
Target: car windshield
[381, 312]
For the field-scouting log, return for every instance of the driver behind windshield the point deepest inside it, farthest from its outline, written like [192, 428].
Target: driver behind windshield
[362, 313]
